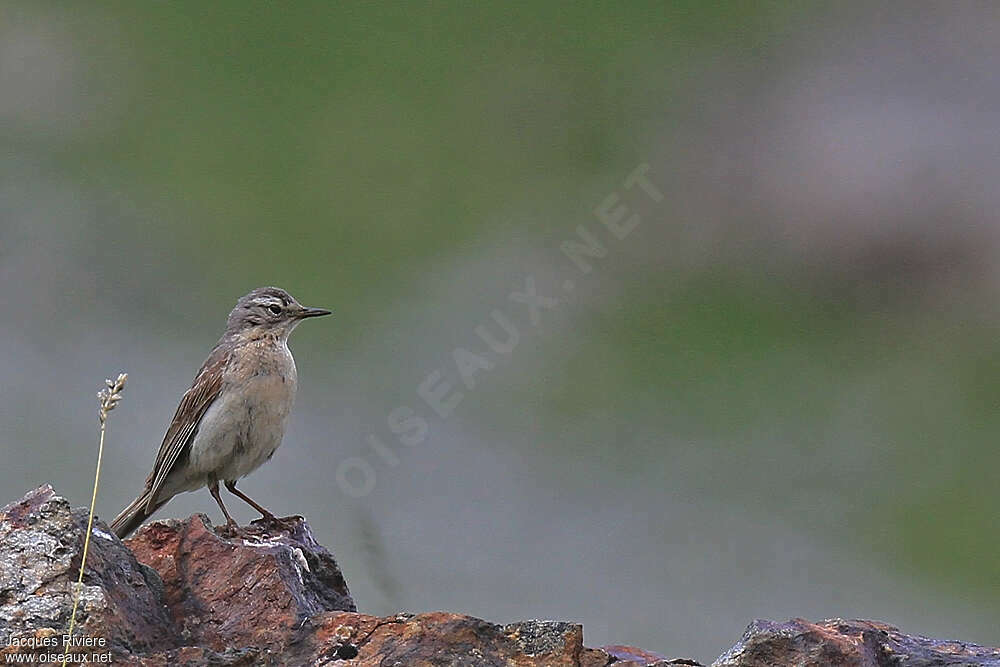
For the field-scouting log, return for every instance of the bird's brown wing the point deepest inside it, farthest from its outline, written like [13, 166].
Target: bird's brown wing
[193, 405]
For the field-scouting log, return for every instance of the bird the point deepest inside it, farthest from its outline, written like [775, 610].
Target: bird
[233, 417]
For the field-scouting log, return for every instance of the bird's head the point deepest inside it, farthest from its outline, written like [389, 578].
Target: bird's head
[268, 310]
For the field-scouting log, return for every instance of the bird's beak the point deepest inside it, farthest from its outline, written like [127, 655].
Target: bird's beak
[312, 312]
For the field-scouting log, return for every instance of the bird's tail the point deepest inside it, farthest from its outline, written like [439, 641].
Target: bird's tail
[132, 516]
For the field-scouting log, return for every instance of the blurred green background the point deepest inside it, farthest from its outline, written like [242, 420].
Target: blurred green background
[777, 397]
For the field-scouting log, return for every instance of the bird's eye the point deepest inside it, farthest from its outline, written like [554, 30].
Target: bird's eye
[275, 309]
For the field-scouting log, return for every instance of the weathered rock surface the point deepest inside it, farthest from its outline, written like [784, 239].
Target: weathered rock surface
[854, 643]
[178, 593]
[41, 539]
[252, 590]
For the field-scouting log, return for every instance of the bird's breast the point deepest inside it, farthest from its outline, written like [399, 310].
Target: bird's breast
[267, 382]
[244, 426]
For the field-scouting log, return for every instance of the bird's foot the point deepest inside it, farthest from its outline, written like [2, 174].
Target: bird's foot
[231, 529]
[285, 522]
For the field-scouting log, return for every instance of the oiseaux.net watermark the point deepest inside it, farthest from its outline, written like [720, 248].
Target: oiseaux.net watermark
[56, 650]
[499, 335]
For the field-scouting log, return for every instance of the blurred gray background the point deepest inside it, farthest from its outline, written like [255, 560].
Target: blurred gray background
[777, 397]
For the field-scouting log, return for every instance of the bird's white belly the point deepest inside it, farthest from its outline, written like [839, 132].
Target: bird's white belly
[242, 428]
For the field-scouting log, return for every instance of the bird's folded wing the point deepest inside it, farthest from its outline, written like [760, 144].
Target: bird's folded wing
[194, 403]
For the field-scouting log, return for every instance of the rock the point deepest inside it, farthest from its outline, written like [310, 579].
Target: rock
[41, 540]
[251, 590]
[630, 656]
[849, 643]
[178, 593]
[419, 640]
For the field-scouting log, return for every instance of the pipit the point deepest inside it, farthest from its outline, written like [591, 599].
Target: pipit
[233, 417]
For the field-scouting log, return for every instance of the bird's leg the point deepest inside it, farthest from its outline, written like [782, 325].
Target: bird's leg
[213, 488]
[268, 516]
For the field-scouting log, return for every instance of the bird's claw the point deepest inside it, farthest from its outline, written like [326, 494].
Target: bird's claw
[285, 522]
[231, 529]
